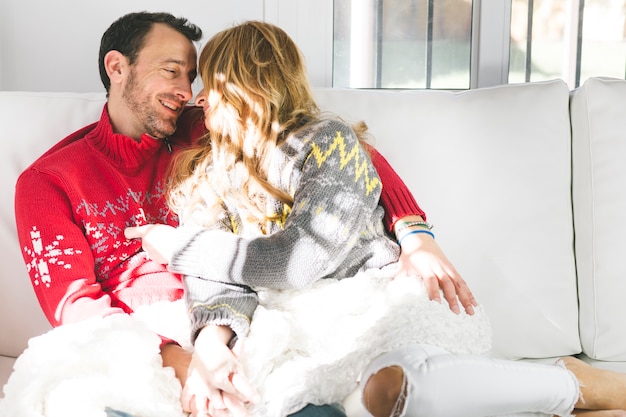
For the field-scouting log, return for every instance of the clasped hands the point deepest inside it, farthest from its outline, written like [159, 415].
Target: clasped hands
[216, 385]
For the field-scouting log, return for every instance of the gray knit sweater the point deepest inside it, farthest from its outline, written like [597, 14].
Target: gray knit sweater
[334, 229]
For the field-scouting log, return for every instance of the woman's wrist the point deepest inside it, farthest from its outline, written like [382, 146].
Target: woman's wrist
[414, 231]
[412, 225]
[211, 334]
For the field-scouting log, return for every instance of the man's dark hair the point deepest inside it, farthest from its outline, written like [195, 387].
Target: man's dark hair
[127, 35]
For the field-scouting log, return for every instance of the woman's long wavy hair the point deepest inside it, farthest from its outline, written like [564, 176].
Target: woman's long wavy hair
[255, 81]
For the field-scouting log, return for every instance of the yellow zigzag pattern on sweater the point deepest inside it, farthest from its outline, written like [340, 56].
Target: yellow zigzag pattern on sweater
[360, 164]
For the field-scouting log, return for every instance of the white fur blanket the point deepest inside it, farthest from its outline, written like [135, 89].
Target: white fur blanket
[305, 346]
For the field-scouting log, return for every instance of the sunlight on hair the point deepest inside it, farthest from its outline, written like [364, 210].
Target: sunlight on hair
[251, 139]
[276, 128]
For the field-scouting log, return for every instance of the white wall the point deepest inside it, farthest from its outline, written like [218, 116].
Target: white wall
[53, 45]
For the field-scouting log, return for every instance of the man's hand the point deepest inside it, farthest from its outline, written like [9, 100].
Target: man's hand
[156, 240]
[178, 358]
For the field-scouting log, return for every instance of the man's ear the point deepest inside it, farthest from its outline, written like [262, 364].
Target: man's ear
[115, 64]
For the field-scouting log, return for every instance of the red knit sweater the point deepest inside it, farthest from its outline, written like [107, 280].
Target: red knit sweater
[74, 202]
[395, 196]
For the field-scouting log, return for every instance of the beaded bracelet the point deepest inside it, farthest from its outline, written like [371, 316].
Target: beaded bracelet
[413, 223]
[413, 232]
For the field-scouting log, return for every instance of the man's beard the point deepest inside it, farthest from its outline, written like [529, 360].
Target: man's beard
[139, 103]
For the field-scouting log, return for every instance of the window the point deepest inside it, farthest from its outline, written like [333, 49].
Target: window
[402, 43]
[437, 43]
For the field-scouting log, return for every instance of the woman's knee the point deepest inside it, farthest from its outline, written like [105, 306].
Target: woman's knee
[391, 378]
[384, 391]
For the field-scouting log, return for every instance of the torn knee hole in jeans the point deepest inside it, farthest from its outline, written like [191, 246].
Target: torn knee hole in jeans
[398, 408]
[560, 362]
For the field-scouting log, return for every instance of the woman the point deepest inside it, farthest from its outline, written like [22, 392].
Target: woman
[286, 197]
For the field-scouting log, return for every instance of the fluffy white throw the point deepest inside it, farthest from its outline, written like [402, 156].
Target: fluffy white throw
[305, 346]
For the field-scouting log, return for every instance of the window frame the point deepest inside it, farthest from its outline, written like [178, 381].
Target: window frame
[490, 49]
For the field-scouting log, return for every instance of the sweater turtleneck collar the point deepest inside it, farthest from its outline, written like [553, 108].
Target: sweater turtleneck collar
[121, 150]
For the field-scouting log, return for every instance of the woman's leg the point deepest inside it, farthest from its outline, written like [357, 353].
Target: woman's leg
[428, 381]
[600, 389]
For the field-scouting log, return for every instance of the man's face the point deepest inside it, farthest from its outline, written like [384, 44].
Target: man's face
[159, 83]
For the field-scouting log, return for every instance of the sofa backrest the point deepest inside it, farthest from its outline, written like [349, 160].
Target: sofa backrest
[598, 113]
[32, 122]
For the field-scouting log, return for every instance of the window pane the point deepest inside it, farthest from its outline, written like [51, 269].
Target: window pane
[568, 39]
[604, 44]
[402, 43]
[537, 40]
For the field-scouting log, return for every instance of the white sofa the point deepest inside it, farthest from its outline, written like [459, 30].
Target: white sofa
[525, 184]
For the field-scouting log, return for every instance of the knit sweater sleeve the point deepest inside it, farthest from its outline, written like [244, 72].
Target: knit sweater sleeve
[57, 255]
[396, 198]
[336, 192]
[218, 303]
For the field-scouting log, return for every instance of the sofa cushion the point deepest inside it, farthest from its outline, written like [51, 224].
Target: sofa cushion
[598, 116]
[31, 123]
[491, 167]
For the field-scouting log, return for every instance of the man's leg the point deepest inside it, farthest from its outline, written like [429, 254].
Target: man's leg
[115, 413]
[332, 410]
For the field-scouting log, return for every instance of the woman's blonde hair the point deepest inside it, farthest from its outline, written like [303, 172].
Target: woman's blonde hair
[255, 80]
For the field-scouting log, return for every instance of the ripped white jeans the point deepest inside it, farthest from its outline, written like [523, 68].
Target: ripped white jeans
[441, 384]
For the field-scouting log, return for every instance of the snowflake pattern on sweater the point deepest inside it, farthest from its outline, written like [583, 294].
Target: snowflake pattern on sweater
[104, 233]
[41, 256]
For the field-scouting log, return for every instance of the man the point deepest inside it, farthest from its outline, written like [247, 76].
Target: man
[73, 203]
[110, 174]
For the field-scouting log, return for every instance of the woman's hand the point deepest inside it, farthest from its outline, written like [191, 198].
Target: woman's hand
[422, 256]
[156, 240]
[216, 385]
